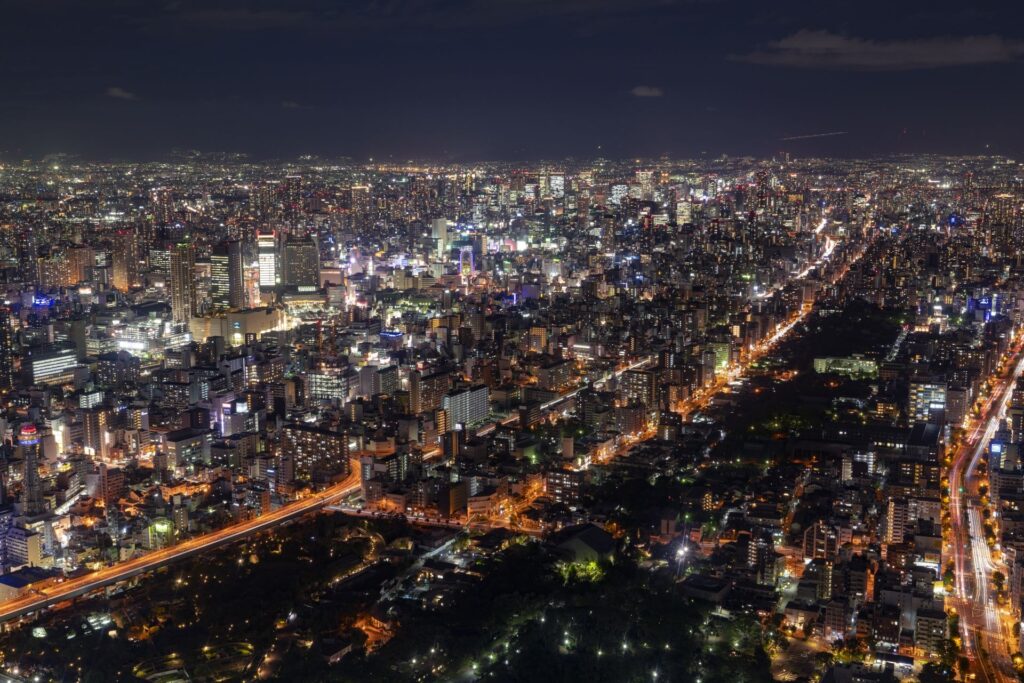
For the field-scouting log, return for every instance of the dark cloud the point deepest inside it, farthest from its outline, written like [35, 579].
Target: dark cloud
[508, 79]
[646, 91]
[326, 15]
[120, 93]
[824, 50]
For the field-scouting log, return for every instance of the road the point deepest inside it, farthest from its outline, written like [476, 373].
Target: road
[72, 588]
[984, 639]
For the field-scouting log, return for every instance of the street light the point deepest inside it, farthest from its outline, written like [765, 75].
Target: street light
[681, 553]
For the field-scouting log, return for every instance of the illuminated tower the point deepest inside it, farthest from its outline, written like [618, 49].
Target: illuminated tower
[236, 275]
[467, 263]
[227, 276]
[360, 207]
[29, 441]
[183, 282]
[266, 252]
[439, 231]
[162, 200]
[125, 260]
[302, 264]
[6, 350]
[292, 195]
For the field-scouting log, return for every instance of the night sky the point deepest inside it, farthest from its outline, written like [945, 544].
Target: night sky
[509, 79]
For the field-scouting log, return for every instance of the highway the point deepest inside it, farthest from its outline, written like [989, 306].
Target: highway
[75, 587]
[984, 639]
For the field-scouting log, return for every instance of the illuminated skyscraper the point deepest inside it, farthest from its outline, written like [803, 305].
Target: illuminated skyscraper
[162, 199]
[645, 179]
[183, 282]
[81, 261]
[236, 275]
[266, 252]
[125, 259]
[29, 442]
[359, 207]
[302, 264]
[6, 350]
[53, 271]
[292, 195]
[439, 231]
[227, 276]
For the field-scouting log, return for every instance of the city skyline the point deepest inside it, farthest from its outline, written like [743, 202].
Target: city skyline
[447, 341]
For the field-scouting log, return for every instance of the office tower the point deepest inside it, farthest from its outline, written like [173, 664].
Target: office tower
[645, 179]
[302, 264]
[227, 276]
[556, 185]
[266, 252]
[583, 210]
[236, 275]
[125, 260]
[183, 283]
[927, 399]
[50, 365]
[29, 441]
[160, 259]
[6, 350]
[439, 231]
[220, 285]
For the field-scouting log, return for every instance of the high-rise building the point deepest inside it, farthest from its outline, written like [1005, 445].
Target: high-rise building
[315, 451]
[360, 207]
[125, 260]
[467, 406]
[81, 261]
[29, 441]
[236, 275]
[439, 231]
[266, 253]
[183, 283]
[426, 392]
[302, 264]
[291, 191]
[227, 276]
[6, 350]
[162, 199]
[160, 259]
[220, 285]
[50, 365]
[94, 427]
[53, 271]
[640, 386]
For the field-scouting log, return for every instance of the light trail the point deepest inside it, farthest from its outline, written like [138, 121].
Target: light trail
[82, 585]
[984, 641]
